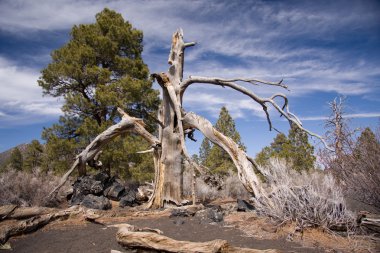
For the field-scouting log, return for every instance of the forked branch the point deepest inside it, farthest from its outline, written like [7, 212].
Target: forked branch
[283, 110]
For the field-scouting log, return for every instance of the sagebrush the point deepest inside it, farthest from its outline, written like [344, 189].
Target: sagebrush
[230, 186]
[311, 199]
[26, 189]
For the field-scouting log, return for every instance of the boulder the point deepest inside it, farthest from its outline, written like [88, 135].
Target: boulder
[102, 177]
[83, 186]
[181, 213]
[244, 206]
[129, 199]
[215, 214]
[96, 202]
[115, 191]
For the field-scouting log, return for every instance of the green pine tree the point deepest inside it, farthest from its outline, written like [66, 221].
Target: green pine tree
[16, 160]
[295, 149]
[98, 70]
[204, 151]
[367, 145]
[33, 155]
[212, 156]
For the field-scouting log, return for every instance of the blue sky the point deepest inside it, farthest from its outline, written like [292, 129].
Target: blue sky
[322, 49]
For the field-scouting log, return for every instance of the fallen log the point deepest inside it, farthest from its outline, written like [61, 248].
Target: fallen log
[128, 236]
[34, 223]
[5, 211]
[371, 224]
[28, 212]
[16, 212]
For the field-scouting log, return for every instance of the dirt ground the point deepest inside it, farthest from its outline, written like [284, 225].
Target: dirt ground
[239, 229]
[99, 238]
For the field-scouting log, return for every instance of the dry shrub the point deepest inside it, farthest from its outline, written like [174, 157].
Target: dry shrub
[310, 199]
[358, 172]
[234, 188]
[230, 186]
[26, 189]
[204, 192]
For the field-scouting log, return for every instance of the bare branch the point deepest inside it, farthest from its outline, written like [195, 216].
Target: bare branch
[244, 166]
[283, 110]
[127, 123]
[146, 151]
[245, 80]
[189, 44]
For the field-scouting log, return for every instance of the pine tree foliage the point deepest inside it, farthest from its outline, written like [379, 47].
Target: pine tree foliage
[16, 161]
[98, 70]
[212, 156]
[33, 155]
[294, 148]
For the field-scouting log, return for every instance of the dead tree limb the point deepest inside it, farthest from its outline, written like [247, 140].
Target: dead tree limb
[34, 223]
[283, 110]
[6, 210]
[127, 124]
[244, 166]
[130, 238]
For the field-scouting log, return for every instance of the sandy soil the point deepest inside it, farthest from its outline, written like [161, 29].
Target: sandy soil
[239, 229]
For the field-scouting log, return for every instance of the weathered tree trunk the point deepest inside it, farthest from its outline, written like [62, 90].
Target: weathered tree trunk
[168, 184]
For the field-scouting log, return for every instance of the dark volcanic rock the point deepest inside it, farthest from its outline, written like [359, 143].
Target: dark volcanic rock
[128, 199]
[102, 177]
[215, 214]
[102, 185]
[115, 191]
[96, 202]
[244, 206]
[83, 186]
[181, 213]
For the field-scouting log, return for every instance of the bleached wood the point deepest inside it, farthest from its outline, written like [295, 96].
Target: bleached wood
[244, 166]
[6, 210]
[160, 243]
[283, 110]
[34, 223]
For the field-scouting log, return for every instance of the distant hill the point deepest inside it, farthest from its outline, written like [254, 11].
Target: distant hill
[4, 156]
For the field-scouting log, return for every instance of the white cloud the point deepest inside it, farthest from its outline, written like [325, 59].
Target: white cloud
[21, 98]
[212, 100]
[347, 116]
[254, 35]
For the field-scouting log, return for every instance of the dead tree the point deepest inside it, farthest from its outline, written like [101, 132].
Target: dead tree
[168, 147]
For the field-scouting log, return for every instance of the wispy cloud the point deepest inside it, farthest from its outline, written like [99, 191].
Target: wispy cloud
[347, 116]
[300, 42]
[211, 102]
[21, 98]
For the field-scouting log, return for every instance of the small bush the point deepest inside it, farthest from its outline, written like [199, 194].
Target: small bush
[311, 199]
[26, 189]
[230, 186]
[203, 191]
